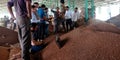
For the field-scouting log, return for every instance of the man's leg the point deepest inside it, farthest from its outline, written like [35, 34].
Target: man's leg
[43, 31]
[73, 24]
[56, 27]
[67, 27]
[39, 31]
[46, 29]
[76, 25]
[70, 24]
[63, 24]
[24, 36]
[14, 27]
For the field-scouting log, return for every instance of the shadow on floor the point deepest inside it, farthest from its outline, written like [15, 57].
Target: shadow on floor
[63, 42]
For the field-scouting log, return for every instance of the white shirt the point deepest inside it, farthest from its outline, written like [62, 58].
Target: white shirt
[68, 14]
[34, 19]
[75, 16]
[15, 21]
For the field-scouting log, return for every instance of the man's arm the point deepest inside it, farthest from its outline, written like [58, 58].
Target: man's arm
[71, 13]
[44, 16]
[52, 11]
[36, 14]
[9, 6]
[28, 6]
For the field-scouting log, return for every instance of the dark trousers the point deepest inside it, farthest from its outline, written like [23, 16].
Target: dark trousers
[35, 35]
[13, 26]
[24, 35]
[75, 25]
[58, 22]
[34, 26]
[56, 26]
[46, 29]
[41, 30]
[68, 24]
[63, 24]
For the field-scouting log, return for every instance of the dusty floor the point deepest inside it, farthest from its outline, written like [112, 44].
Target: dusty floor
[7, 37]
[115, 20]
[98, 41]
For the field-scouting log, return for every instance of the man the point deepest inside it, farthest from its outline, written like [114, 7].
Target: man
[23, 15]
[62, 1]
[36, 4]
[68, 17]
[13, 25]
[34, 23]
[56, 19]
[46, 23]
[42, 17]
[6, 19]
[63, 9]
[75, 17]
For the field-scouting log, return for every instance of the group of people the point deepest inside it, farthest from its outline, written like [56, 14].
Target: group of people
[67, 19]
[34, 18]
[40, 20]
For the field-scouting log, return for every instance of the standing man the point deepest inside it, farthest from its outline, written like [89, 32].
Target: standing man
[34, 23]
[68, 17]
[23, 16]
[42, 17]
[75, 17]
[46, 23]
[6, 20]
[36, 4]
[56, 19]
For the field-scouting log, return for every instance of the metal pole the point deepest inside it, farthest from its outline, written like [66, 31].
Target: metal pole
[69, 3]
[73, 4]
[92, 8]
[86, 10]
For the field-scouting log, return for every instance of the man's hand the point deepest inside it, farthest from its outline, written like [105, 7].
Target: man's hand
[13, 17]
[28, 6]
[29, 16]
[10, 5]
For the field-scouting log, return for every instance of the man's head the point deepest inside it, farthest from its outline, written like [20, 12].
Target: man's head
[43, 6]
[67, 7]
[36, 4]
[33, 8]
[57, 8]
[76, 9]
[46, 9]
